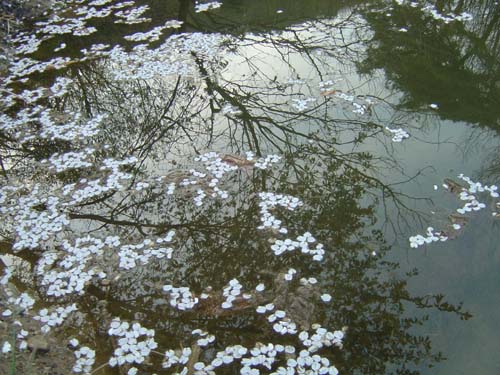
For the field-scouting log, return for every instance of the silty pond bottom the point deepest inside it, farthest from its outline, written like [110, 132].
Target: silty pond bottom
[270, 187]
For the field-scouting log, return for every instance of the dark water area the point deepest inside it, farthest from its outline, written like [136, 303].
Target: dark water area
[273, 187]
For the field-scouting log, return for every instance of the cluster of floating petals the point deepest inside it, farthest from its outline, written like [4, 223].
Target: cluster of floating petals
[434, 12]
[181, 298]
[328, 85]
[477, 187]
[34, 225]
[134, 343]
[282, 324]
[358, 108]
[290, 273]
[303, 243]
[153, 34]
[24, 302]
[215, 165]
[85, 359]
[205, 338]
[231, 292]
[203, 7]
[227, 356]
[173, 358]
[56, 317]
[68, 272]
[467, 194]
[359, 105]
[398, 135]
[132, 16]
[143, 62]
[38, 216]
[269, 201]
[229, 109]
[261, 355]
[321, 338]
[264, 163]
[308, 281]
[302, 104]
[20, 305]
[264, 309]
[430, 237]
[141, 253]
[70, 160]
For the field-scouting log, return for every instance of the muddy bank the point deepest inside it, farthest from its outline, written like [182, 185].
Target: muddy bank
[21, 10]
[15, 15]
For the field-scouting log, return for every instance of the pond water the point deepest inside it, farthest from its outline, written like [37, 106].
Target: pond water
[253, 187]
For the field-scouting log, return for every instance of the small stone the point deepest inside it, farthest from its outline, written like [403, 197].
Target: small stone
[38, 343]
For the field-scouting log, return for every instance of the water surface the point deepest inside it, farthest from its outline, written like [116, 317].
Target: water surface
[367, 118]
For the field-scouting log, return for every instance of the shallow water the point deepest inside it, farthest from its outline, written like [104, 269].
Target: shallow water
[369, 108]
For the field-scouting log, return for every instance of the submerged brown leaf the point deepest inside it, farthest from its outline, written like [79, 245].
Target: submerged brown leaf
[329, 92]
[237, 160]
[453, 187]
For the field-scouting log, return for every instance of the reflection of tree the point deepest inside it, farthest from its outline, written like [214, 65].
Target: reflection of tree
[164, 122]
[455, 64]
[223, 243]
[372, 300]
